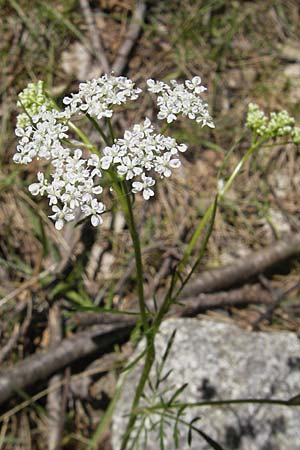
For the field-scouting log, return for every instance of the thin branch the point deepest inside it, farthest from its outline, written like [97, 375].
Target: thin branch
[244, 269]
[130, 38]
[9, 346]
[42, 364]
[247, 295]
[94, 36]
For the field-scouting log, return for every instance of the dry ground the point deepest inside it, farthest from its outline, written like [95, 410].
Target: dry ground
[245, 51]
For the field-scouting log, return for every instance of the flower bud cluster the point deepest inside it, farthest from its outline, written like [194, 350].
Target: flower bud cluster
[140, 152]
[278, 125]
[182, 99]
[30, 99]
[97, 97]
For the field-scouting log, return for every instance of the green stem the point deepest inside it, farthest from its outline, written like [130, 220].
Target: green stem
[82, 136]
[137, 251]
[150, 349]
[261, 401]
[165, 128]
[111, 130]
[221, 194]
[212, 215]
[150, 357]
[98, 128]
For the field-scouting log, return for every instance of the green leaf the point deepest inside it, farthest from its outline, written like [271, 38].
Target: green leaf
[79, 298]
[177, 393]
[208, 439]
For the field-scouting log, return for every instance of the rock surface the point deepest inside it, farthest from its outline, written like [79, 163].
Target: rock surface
[222, 361]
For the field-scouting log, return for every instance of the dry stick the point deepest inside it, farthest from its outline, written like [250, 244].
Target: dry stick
[277, 297]
[130, 38]
[54, 399]
[27, 284]
[254, 264]
[94, 35]
[42, 364]
[249, 294]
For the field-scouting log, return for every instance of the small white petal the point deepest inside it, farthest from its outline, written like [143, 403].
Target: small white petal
[59, 224]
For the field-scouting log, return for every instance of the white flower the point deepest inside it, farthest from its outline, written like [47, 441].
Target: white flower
[73, 185]
[129, 167]
[40, 187]
[97, 97]
[195, 85]
[42, 138]
[144, 186]
[61, 216]
[112, 155]
[141, 152]
[164, 164]
[182, 99]
[94, 209]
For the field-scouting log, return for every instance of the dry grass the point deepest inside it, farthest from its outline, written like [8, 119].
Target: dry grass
[244, 51]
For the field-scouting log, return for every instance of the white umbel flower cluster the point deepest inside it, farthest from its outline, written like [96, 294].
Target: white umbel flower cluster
[175, 99]
[73, 186]
[140, 152]
[97, 97]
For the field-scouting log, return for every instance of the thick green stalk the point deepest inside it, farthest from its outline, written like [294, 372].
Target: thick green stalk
[83, 137]
[111, 130]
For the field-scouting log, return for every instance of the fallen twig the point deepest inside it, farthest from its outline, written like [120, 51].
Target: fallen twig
[94, 36]
[130, 38]
[19, 330]
[244, 269]
[8, 347]
[247, 295]
[42, 364]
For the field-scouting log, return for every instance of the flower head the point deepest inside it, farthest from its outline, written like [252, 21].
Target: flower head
[175, 99]
[97, 97]
[143, 151]
[73, 185]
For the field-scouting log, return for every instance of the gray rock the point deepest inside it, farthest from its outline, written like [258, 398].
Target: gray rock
[221, 361]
